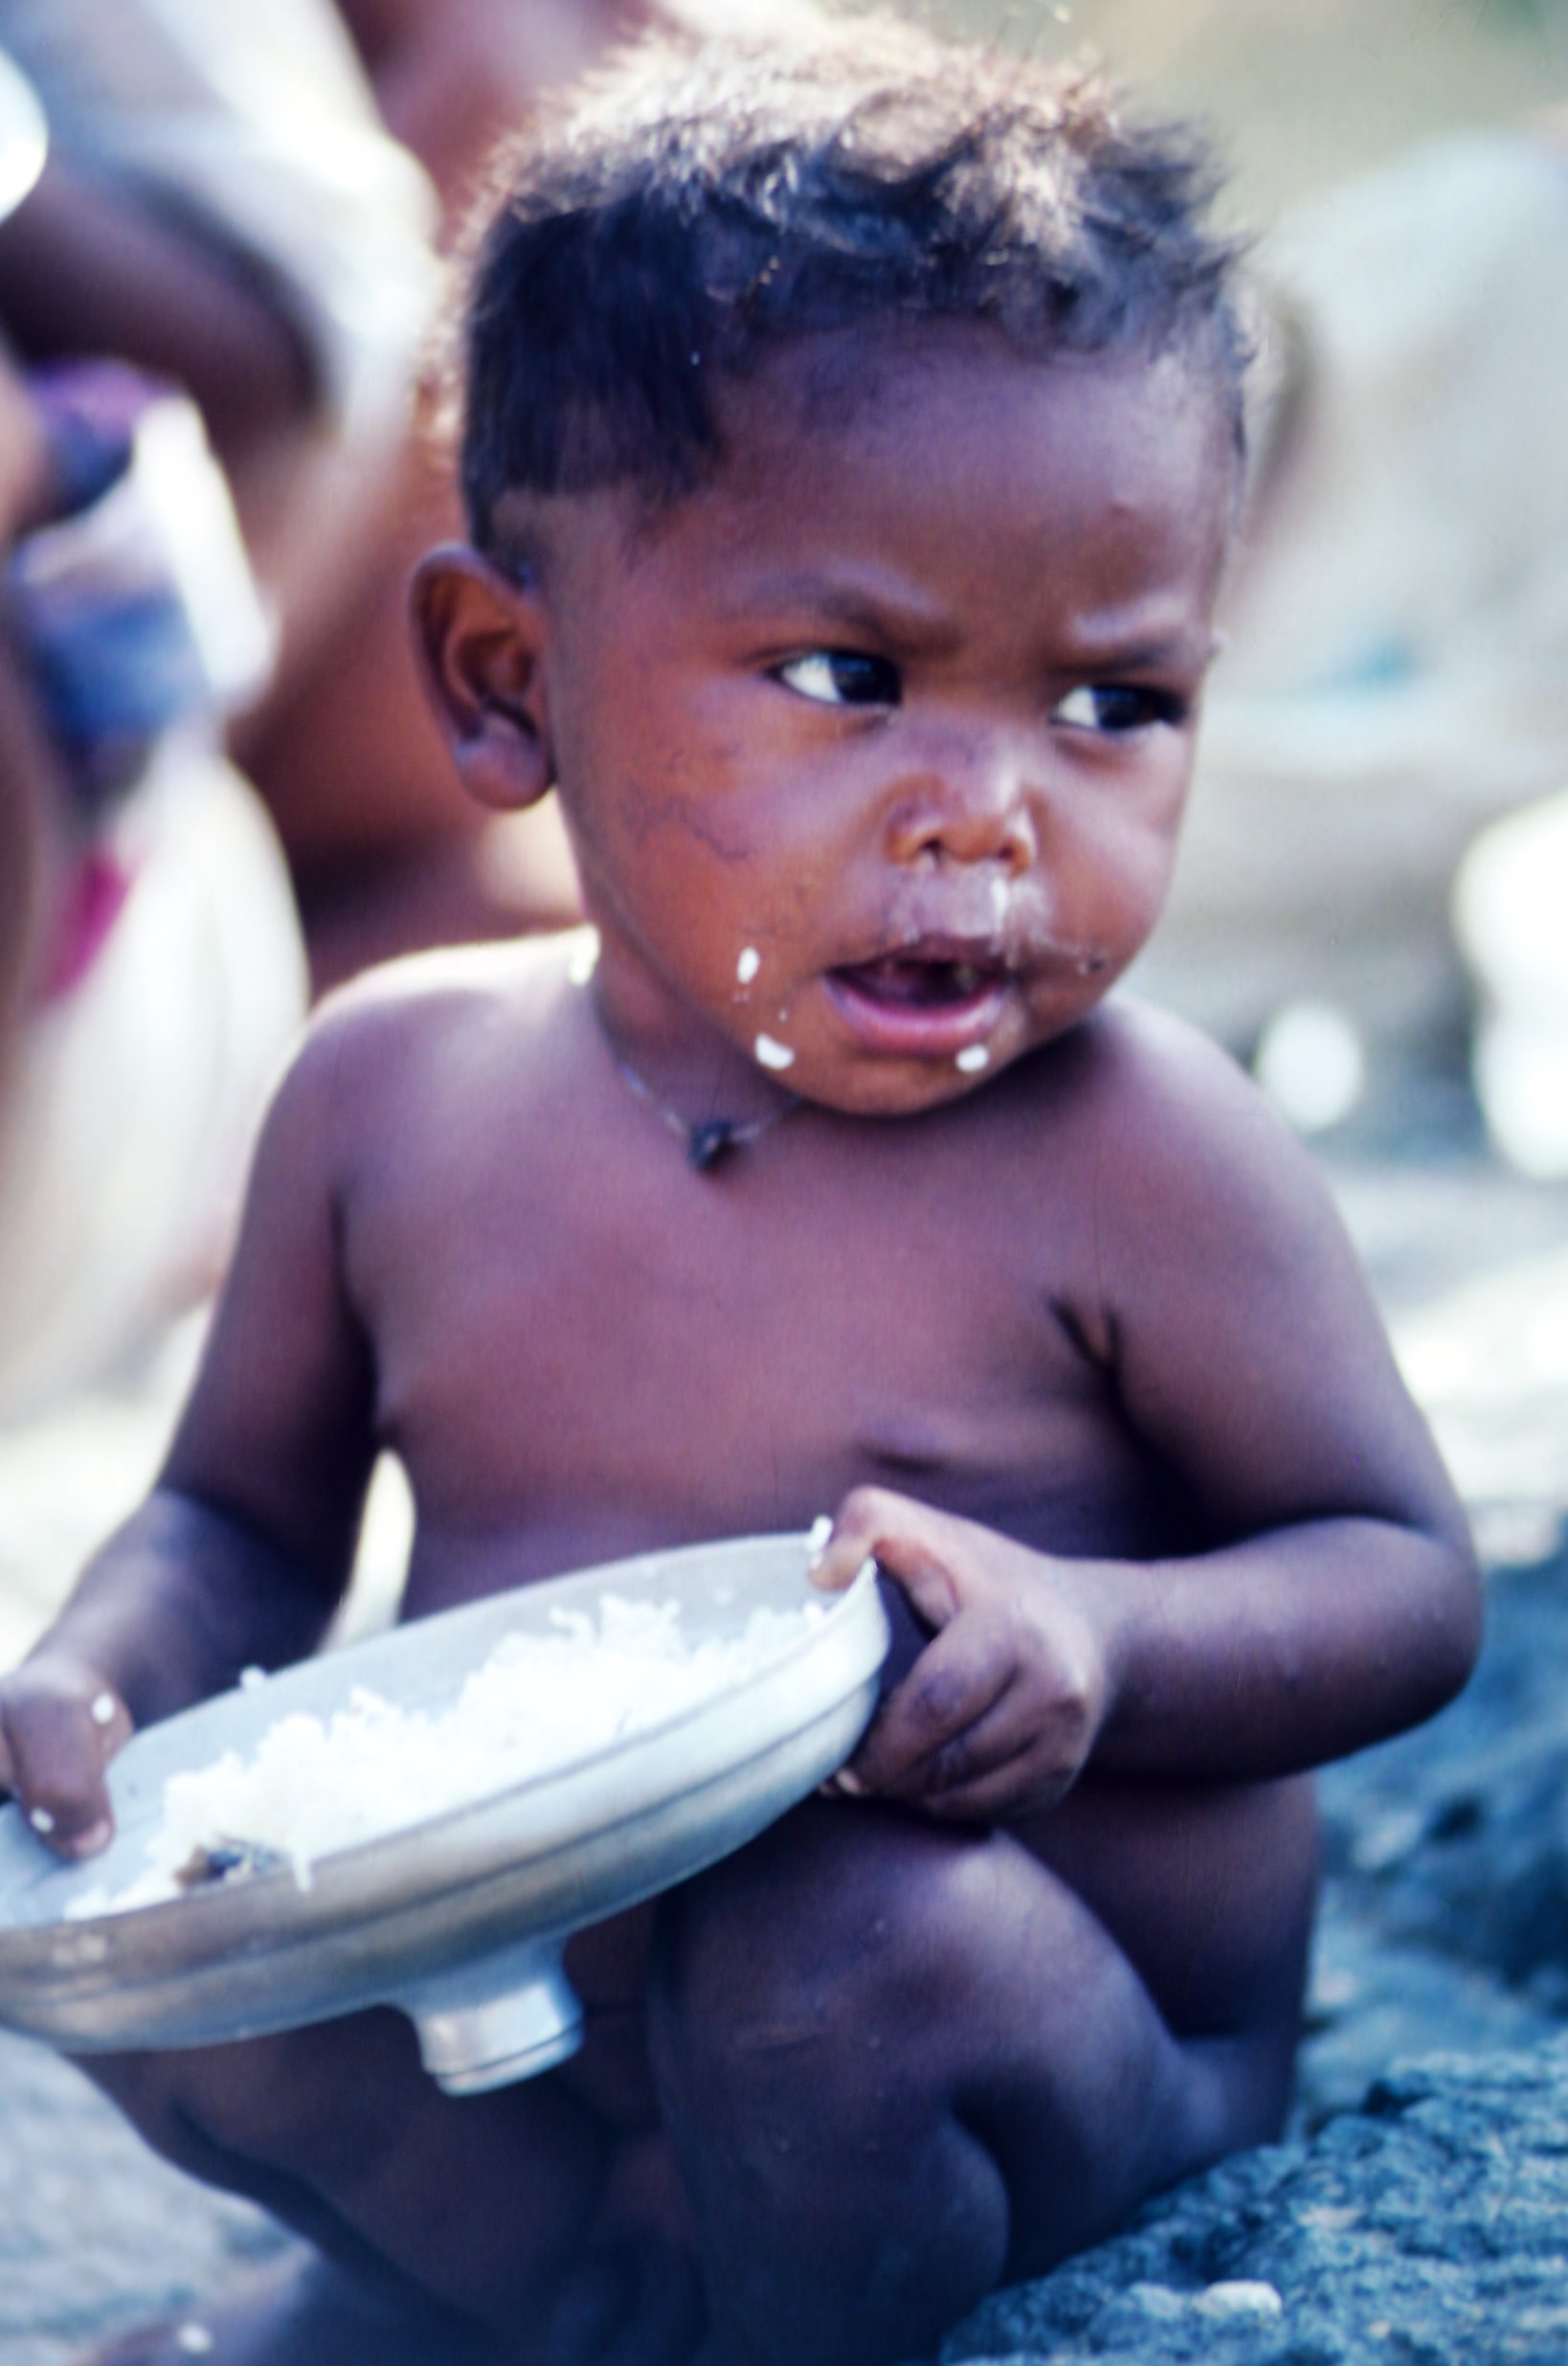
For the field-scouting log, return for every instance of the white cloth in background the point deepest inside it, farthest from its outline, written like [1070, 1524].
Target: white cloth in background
[1397, 669]
[129, 1119]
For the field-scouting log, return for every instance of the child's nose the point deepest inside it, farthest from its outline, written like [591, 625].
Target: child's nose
[970, 800]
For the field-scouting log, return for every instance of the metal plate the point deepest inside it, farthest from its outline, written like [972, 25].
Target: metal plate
[446, 1917]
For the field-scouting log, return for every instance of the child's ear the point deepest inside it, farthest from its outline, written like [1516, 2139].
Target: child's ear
[479, 639]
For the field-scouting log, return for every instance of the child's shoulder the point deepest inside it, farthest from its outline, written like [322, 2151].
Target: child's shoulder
[1132, 1066]
[405, 1013]
[393, 1045]
[1170, 1131]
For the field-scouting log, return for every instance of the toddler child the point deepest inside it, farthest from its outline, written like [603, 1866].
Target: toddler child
[850, 448]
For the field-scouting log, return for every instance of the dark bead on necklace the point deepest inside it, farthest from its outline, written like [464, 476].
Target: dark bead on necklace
[707, 1144]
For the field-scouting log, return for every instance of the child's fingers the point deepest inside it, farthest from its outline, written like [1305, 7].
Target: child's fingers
[915, 1544]
[995, 1737]
[972, 1712]
[60, 1730]
[839, 1552]
[956, 1683]
[994, 1798]
[1001, 1765]
[1004, 1703]
[1013, 1764]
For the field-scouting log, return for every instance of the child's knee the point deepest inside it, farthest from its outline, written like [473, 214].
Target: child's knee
[802, 2041]
[819, 1967]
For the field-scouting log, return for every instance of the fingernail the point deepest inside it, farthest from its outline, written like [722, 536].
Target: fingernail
[40, 1819]
[96, 1836]
[850, 1781]
[817, 1537]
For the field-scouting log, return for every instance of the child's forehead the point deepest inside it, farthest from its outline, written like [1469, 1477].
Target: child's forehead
[903, 424]
[900, 404]
[852, 385]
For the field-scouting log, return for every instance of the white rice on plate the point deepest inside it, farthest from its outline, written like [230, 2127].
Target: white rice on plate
[313, 1785]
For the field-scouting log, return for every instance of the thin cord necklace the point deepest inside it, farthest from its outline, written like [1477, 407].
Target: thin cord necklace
[709, 1139]
[704, 1143]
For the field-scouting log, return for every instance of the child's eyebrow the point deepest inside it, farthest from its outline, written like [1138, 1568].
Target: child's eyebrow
[903, 621]
[1110, 652]
[880, 615]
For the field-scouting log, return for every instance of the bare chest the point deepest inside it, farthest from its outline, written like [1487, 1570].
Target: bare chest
[578, 1362]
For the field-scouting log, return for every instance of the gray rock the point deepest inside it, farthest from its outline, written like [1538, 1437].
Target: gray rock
[1429, 2227]
[97, 2235]
[1370, 2001]
[1454, 1838]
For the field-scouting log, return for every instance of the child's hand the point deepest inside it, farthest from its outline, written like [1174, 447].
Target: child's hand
[60, 1727]
[1001, 1709]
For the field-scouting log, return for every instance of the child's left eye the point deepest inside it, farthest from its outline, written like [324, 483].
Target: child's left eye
[842, 678]
[1114, 708]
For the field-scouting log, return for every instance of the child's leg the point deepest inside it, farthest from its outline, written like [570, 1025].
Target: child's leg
[531, 2224]
[896, 2065]
[901, 2065]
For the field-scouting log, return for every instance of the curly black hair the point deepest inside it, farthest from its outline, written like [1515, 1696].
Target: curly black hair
[697, 207]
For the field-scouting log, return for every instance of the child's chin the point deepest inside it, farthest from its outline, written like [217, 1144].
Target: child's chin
[897, 1088]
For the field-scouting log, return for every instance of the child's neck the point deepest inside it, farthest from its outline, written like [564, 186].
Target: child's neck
[710, 1098]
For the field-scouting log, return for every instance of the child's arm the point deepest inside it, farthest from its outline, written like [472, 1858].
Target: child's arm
[1337, 1601]
[243, 1550]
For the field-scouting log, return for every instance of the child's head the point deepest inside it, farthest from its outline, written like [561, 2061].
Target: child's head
[696, 213]
[850, 447]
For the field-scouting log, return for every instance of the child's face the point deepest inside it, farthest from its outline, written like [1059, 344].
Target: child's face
[874, 752]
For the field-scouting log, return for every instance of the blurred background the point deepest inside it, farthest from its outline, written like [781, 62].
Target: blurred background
[1304, 95]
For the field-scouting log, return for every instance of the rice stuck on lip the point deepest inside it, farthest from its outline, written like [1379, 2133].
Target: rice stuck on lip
[313, 1785]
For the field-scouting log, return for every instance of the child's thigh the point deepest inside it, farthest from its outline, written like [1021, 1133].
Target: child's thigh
[862, 1989]
[341, 2133]
[315, 2101]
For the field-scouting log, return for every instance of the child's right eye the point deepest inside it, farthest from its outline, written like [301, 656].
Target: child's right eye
[842, 678]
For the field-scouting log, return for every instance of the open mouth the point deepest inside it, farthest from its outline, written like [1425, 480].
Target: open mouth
[915, 984]
[928, 1006]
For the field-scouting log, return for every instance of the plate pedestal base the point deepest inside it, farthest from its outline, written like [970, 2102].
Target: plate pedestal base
[508, 2017]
